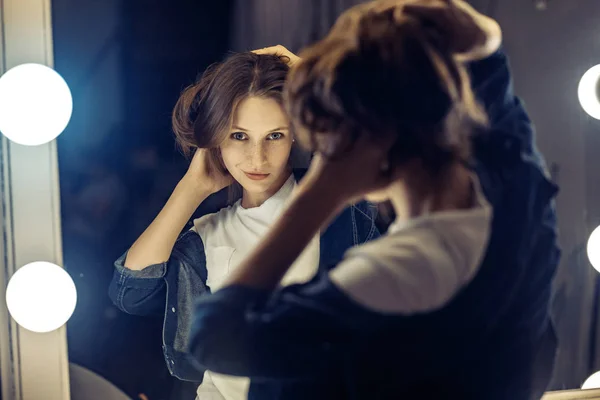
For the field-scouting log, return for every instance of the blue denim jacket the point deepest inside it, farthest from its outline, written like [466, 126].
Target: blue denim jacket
[493, 340]
[171, 288]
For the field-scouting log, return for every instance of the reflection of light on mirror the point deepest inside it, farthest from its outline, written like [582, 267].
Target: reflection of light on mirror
[35, 104]
[588, 92]
[41, 296]
[593, 249]
[593, 382]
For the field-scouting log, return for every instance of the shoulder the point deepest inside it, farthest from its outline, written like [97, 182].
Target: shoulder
[205, 222]
[209, 222]
[414, 243]
[416, 269]
[208, 226]
[387, 275]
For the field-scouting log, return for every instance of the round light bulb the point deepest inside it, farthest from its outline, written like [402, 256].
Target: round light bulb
[593, 382]
[593, 248]
[589, 92]
[35, 104]
[41, 296]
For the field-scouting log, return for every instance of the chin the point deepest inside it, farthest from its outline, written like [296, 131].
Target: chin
[260, 187]
[255, 186]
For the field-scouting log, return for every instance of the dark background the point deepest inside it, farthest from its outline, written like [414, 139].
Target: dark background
[126, 61]
[118, 171]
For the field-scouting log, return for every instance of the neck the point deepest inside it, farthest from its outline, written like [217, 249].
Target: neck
[421, 194]
[256, 199]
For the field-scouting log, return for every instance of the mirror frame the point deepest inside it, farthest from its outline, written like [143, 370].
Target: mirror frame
[32, 365]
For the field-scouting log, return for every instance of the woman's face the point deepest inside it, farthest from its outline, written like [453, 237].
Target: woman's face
[257, 149]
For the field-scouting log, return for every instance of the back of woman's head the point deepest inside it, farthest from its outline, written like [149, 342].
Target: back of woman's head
[382, 72]
[203, 114]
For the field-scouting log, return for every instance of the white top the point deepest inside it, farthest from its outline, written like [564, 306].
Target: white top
[228, 236]
[421, 264]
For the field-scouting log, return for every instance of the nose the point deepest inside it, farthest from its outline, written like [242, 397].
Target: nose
[257, 156]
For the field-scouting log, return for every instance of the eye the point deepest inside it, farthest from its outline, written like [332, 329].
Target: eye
[238, 136]
[275, 136]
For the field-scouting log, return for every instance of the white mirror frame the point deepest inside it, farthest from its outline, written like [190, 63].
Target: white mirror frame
[32, 365]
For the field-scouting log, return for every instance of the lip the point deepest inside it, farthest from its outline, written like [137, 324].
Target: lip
[256, 177]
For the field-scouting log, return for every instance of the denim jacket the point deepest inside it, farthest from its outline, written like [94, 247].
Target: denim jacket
[493, 340]
[171, 288]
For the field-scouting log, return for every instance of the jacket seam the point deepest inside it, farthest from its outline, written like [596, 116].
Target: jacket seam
[121, 294]
[354, 226]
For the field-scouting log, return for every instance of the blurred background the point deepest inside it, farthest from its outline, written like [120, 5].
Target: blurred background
[126, 63]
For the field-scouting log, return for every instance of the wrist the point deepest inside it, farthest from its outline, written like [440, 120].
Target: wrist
[189, 187]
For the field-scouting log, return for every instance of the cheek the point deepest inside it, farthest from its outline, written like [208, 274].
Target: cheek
[278, 153]
[232, 156]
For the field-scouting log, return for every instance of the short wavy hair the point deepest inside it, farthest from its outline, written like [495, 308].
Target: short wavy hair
[204, 111]
[382, 72]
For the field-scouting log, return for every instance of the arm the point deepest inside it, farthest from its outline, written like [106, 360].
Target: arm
[154, 246]
[138, 286]
[304, 331]
[138, 292]
[298, 332]
[143, 292]
[493, 86]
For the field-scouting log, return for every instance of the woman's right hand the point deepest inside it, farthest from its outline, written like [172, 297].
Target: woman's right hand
[279, 51]
[205, 178]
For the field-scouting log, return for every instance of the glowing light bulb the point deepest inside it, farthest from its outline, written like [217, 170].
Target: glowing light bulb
[35, 104]
[589, 92]
[593, 382]
[593, 248]
[41, 296]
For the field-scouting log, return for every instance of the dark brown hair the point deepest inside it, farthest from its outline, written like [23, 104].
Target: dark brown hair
[381, 72]
[203, 114]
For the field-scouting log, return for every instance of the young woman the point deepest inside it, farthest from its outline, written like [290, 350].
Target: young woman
[453, 301]
[234, 120]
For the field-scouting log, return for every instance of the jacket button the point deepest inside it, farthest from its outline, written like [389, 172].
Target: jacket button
[173, 309]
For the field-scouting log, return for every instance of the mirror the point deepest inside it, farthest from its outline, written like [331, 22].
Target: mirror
[126, 63]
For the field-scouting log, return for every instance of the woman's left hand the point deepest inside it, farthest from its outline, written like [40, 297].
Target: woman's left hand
[350, 176]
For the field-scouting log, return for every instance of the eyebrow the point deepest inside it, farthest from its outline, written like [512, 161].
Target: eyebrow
[281, 128]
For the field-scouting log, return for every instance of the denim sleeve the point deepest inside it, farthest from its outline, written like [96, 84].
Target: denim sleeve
[301, 331]
[144, 292]
[138, 292]
[492, 82]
